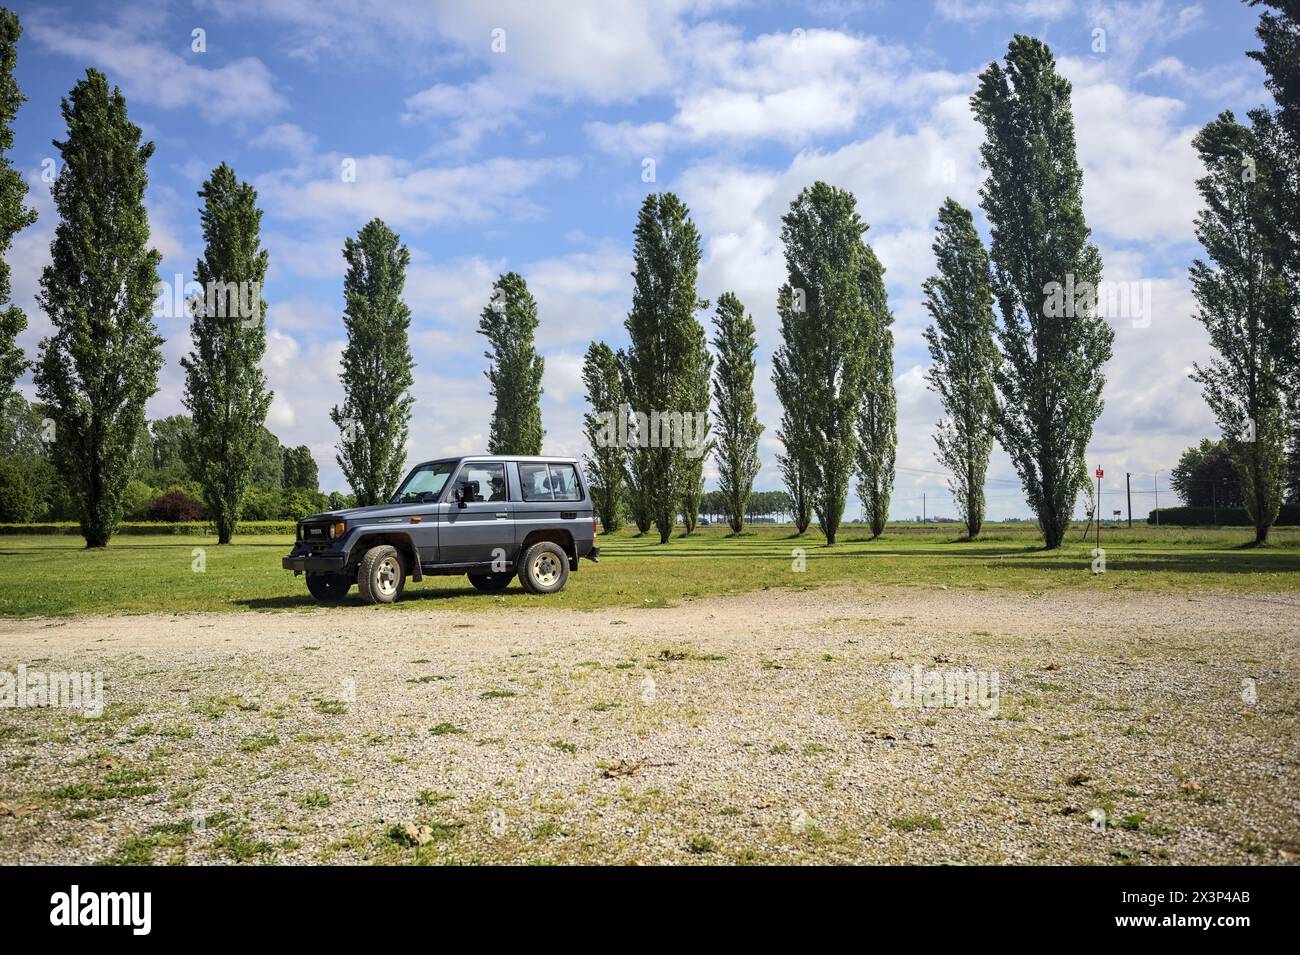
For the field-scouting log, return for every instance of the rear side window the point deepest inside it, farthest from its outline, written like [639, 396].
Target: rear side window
[550, 482]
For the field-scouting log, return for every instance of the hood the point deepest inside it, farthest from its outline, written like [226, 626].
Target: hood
[369, 512]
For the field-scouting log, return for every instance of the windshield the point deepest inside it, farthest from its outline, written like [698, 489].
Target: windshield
[424, 483]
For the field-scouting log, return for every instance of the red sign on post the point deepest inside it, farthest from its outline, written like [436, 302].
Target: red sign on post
[1100, 473]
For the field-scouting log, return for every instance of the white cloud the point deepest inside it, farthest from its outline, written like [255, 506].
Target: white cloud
[404, 194]
[977, 11]
[235, 92]
[289, 138]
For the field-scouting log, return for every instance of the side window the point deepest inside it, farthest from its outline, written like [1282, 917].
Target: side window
[536, 483]
[564, 482]
[550, 482]
[490, 478]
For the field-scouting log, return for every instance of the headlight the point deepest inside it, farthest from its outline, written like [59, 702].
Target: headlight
[337, 529]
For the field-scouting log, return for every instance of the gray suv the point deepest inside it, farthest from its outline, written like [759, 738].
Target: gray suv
[488, 516]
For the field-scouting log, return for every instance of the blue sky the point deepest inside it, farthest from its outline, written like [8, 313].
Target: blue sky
[500, 136]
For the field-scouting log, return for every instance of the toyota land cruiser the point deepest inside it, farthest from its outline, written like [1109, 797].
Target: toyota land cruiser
[491, 517]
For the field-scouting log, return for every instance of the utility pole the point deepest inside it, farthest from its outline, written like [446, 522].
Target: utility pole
[1155, 483]
[1128, 490]
[924, 513]
[1097, 505]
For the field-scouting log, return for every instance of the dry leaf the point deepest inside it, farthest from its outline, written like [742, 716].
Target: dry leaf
[620, 768]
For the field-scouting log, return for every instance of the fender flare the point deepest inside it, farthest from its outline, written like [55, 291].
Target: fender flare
[402, 540]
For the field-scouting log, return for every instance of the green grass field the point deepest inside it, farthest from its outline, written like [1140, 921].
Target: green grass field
[55, 576]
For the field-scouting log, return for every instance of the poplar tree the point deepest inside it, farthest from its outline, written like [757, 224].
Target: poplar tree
[877, 418]
[377, 366]
[963, 354]
[101, 364]
[1246, 306]
[509, 323]
[736, 412]
[663, 359]
[14, 214]
[1045, 276]
[638, 503]
[826, 340]
[225, 390]
[698, 386]
[606, 461]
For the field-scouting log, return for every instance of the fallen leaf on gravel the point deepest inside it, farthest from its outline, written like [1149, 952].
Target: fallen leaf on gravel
[1077, 779]
[942, 658]
[762, 805]
[620, 768]
[1190, 786]
[7, 810]
[1288, 856]
[1052, 666]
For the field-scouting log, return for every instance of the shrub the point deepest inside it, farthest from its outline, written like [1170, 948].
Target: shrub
[139, 496]
[17, 502]
[174, 506]
[1222, 517]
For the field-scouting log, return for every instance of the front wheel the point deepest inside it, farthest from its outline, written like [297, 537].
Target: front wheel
[328, 588]
[544, 569]
[382, 575]
[491, 583]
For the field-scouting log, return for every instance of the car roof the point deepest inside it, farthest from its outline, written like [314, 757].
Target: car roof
[541, 458]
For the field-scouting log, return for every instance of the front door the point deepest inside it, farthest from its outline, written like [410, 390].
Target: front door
[483, 530]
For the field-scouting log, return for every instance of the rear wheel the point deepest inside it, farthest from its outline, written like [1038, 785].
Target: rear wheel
[382, 575]
[491, 583]
[328, 588]
[544, 569]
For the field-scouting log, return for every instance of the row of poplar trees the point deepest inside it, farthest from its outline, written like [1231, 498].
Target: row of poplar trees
[667, 367]
[100, 365]
[1033, 381]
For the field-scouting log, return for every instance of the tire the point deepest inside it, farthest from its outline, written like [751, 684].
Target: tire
[491, 583]
[328, 588]
[381, 576]
[544, 569]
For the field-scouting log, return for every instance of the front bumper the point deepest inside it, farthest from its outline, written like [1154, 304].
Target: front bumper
[314, 563]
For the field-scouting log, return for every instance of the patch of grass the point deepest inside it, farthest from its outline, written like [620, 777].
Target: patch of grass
[332, 707]
[446, 729]
[255, 744]
[497, 694]
[431, 797]
[236, 844]
[701, 845]
[916, 822]
[564, 746]
[316, 799]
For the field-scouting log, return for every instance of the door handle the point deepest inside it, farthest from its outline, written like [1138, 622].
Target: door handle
[503, 513]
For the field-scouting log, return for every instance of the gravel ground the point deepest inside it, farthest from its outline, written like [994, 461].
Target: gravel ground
[754, 728]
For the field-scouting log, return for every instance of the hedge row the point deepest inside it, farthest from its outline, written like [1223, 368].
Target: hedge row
[179, 528]
[1223, 516]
